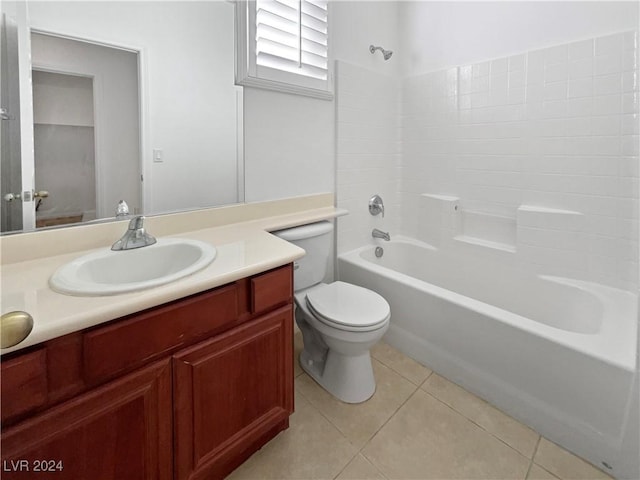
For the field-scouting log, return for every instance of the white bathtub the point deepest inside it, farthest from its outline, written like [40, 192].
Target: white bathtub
[556, 353]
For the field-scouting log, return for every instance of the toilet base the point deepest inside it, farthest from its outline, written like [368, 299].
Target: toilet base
[348, 378]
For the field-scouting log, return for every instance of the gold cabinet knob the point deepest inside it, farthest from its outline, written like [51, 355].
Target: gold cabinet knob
[14, 328]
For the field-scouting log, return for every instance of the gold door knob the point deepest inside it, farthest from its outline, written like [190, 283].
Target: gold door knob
[14, 328]
[41, 194]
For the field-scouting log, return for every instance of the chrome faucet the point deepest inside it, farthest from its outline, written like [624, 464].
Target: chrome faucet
[380, 234]
[376, 205]
[122, 209]
[135, 236]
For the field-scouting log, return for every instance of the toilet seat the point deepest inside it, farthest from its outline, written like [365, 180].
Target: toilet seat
[348, 307]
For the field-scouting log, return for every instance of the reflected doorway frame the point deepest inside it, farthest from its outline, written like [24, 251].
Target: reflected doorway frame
[102, 211]
[97, 156]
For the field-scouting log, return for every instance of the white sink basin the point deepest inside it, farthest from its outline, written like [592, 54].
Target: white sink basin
[110, 273]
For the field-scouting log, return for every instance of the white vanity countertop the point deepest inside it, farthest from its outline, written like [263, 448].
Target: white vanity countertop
[244, 249]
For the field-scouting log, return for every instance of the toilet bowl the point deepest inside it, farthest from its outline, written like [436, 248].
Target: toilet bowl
[340, 322]
[337, 338]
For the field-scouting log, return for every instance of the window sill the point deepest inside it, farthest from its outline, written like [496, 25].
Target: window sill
[284, 88]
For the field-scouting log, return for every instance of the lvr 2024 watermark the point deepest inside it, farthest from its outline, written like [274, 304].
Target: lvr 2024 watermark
[32, 466]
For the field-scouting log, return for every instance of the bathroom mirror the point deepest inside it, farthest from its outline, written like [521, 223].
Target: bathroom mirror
[106, 101]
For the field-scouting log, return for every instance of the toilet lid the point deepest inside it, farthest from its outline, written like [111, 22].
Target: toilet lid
[348, 306]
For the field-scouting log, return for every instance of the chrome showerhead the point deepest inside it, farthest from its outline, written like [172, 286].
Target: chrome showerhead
[385, 53]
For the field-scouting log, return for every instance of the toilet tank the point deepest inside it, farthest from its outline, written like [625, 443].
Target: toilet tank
[315, 239]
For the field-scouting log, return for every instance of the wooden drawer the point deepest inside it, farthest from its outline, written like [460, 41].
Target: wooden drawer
[142, 337]
[271, 289]
[24, 383]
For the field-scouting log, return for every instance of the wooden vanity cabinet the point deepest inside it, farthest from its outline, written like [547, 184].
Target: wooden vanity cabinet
[121, 430]
[231, 394]
[187, 390]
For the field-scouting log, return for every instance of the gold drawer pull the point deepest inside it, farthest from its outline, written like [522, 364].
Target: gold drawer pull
[14, 328]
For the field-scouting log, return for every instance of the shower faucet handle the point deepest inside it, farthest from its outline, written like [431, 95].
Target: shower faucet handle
[376, 205]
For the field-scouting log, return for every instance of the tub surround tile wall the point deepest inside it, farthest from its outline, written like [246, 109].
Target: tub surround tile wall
[543, 167]
[543, 233]
[554, 128]
[368, 152]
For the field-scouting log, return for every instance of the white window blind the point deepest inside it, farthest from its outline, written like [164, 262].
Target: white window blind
[287, 45]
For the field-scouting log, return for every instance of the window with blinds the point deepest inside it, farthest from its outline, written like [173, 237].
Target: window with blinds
[284, 45]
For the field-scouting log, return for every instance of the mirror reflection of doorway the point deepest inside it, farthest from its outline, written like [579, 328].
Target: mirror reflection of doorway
[64, 148]
[11, 168]
[86, 129]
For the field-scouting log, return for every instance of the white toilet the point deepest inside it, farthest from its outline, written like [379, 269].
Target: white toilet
[339, 321]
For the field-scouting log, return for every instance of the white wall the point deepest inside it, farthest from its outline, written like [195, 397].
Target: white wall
[289, 145]
[64, 144]
[62, 99]
[289, 140]
[358, 24]
[191, 105]
[65, 167]
[436, 35]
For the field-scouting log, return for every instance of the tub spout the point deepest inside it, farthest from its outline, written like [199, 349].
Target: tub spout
[380, 234]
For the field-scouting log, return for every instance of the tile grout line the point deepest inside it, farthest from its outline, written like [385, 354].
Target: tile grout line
[418, 388]
[330, 423]
[400, 373]
[345, 467]
[382, 426]
[425, 380]
[535, 452]
[366, 460]
[482, 428]
[395, 411]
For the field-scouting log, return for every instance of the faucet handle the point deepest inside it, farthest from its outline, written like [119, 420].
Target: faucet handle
[136, 223]
[376, 205]
[135, 236]
[122, 210]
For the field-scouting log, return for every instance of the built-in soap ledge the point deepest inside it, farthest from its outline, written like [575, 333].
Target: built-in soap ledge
[531, 216]
[542, 230]
[488, 230]
[485, 243]
[438, 218]
[442, 219]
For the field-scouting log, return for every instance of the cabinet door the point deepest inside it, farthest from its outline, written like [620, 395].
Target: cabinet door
[232, 394]
[119, 431]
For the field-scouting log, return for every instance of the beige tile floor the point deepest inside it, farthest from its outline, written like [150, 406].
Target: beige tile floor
[418, 425]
